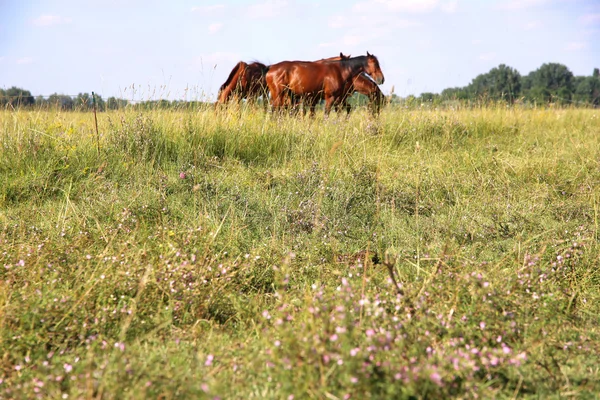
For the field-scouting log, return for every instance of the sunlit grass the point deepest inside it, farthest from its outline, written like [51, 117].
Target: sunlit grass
[243, 254]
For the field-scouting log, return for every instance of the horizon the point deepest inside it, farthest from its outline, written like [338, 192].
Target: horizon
[150, 50]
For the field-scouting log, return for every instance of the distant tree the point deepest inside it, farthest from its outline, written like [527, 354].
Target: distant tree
[100, 103]
[456, 93]
[551, 82]
[500, 83]
[83, 101]
[596, 73]
[16, 97]
[394, 98]
[61, 101]
[427, 97]
[587, 90]
[112, 103]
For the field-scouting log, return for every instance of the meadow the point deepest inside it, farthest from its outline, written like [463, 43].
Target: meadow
[245, 255]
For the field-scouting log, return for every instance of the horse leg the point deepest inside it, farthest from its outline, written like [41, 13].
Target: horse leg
[328, 104]
[348, 107]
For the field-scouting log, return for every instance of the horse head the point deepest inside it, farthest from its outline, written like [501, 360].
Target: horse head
[373, 69]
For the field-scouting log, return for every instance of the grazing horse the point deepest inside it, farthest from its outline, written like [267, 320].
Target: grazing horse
[365, 85]
[362, 84]
[330, 80]
[244, 81]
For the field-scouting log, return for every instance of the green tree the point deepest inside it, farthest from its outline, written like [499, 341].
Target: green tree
[456, 93]
[61, 101]
[552, 82]
[501, 83]
[16, 97]
[587, 90]
[112, 103]
[83, 101]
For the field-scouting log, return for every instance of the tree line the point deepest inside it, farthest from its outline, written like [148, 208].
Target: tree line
[552, 83]
[17, 97]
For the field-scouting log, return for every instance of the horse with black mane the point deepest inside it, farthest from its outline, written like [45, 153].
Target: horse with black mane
[311, 81]
[362, 84]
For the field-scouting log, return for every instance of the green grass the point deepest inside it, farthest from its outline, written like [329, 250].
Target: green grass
[244, 255]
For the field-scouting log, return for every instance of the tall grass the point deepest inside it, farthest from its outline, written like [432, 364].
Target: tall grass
[241, 254]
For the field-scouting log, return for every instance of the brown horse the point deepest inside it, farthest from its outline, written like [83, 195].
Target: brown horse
[365, 85]
[244, 81]
[310, 81]
[362, 84]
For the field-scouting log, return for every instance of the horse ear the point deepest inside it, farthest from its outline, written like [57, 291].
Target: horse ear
[342, 55]
[368, 55]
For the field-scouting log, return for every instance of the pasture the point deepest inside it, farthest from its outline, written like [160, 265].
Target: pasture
[246, 255]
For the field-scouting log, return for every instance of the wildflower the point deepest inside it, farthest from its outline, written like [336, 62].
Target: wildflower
[209, 360]
[182, 175]
[436, 378]
[68, 368]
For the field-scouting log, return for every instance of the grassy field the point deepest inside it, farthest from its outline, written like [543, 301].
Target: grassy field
[241, 255]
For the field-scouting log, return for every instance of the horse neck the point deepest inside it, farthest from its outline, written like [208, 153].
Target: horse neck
[352, 67]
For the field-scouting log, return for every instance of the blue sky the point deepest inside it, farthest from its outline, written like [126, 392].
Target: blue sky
[185, 49]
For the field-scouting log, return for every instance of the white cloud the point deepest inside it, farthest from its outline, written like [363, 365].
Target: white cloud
[487, 56]
[405, 23]
[378, 22]
[449, 7]
[24, 60]
[352, 40]
[208, 9]
[215, 27]
[338, 21]
[51, 20]
[267, 9]
[476, 42]
[590, 19]
[531, 25]
[407, 6]
[574, 46]
[519, 4]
